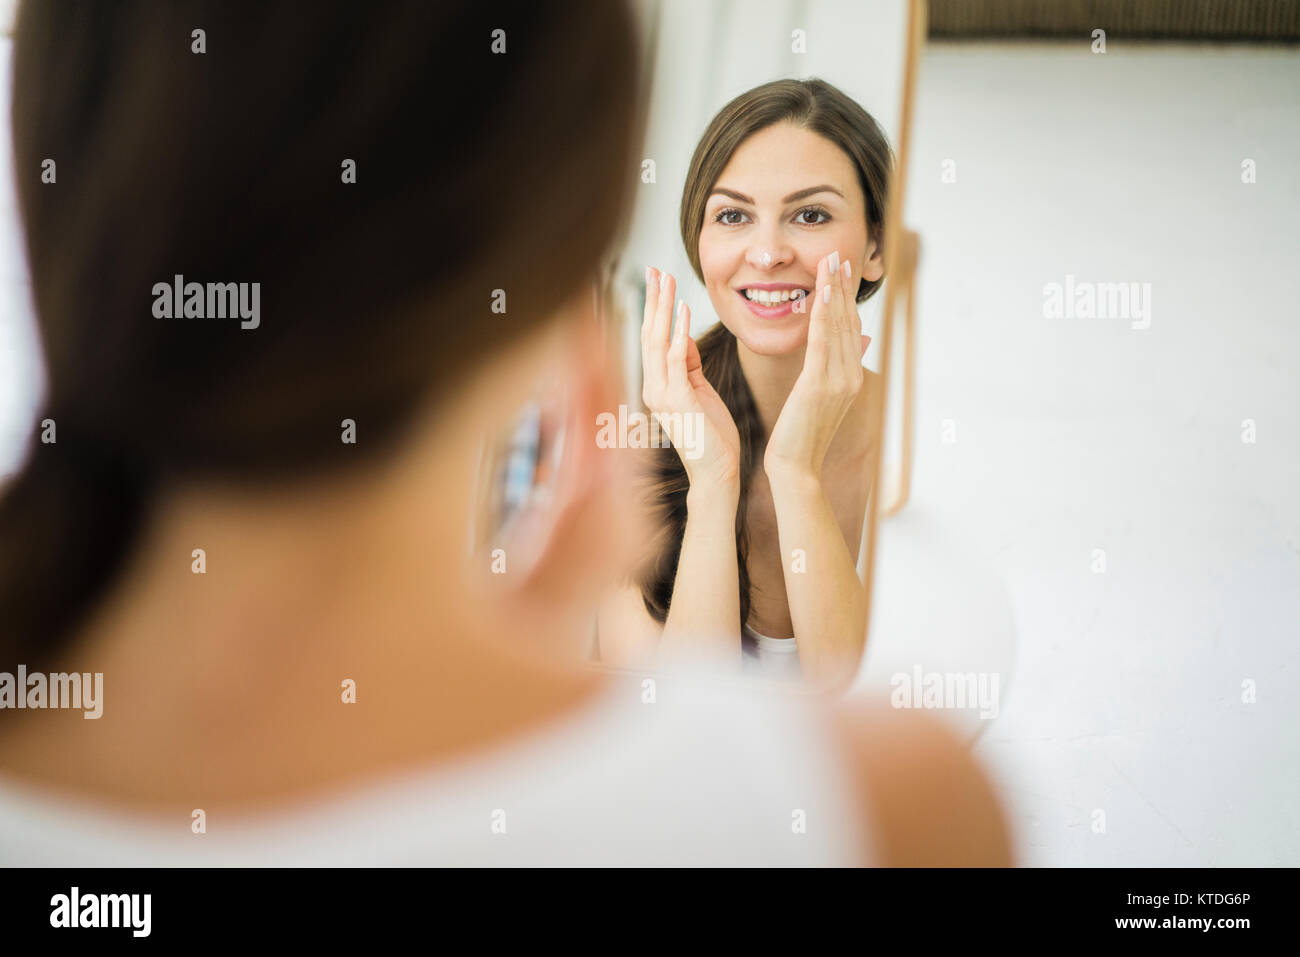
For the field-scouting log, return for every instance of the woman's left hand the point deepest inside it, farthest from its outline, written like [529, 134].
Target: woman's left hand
[831, 377]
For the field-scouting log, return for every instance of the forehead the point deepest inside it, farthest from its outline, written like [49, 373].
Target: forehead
[783, 158]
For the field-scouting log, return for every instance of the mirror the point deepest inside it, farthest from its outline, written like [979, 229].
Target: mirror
[811, 545]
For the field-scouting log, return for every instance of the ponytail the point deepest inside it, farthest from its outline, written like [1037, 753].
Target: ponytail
[720, 363]
[68, 521]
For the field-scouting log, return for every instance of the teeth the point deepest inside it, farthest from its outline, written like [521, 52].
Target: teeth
[773, 297]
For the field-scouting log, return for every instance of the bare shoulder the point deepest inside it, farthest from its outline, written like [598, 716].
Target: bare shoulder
[927, 801]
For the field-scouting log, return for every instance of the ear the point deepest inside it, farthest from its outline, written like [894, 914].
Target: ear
[577, 534]
[873, 266]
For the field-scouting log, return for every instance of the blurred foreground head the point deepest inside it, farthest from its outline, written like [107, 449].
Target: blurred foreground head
[380, 170]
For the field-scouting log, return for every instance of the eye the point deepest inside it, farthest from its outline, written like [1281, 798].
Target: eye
[724, 216]
[812, 211]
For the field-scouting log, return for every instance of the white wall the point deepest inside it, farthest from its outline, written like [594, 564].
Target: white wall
[21, 371]
[1078, 434]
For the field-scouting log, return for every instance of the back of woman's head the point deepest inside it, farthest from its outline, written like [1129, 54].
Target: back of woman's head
[377, 169]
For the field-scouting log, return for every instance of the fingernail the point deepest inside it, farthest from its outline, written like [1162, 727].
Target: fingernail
[663, 280]
[826, 294]
[848, 270]
[835, 261]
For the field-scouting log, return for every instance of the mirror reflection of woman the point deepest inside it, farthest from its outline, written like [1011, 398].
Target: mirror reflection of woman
[782, 218]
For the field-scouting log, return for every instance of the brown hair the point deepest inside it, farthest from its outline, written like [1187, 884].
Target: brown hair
[821, 108]
[227, 166]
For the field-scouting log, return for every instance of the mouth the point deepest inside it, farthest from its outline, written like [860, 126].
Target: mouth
[774, 300]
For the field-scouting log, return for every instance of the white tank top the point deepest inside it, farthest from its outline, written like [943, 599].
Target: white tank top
[776, 658]
[674, 772]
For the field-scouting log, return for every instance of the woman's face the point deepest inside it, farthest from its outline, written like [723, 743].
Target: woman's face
[787, 198]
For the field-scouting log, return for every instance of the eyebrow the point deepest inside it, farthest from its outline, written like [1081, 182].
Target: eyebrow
[792, 198]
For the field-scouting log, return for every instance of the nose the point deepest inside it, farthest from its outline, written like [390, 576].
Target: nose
[768, 251]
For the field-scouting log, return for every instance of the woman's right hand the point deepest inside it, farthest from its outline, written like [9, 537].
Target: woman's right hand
[675, 391]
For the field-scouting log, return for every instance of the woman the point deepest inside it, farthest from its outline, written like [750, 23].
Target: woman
[257, 535]
[782, 217]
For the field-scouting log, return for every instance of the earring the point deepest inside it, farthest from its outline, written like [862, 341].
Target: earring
[517, 471]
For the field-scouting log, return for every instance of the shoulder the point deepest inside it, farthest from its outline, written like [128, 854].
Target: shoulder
[759, 757]
[929, 801]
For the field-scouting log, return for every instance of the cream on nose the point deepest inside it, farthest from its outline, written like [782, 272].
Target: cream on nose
[765, 259]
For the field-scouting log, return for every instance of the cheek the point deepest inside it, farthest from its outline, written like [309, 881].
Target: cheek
[846, 241]
[851, 243]
[717, 262]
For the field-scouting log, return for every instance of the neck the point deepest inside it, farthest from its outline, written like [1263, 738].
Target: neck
[302, 594]
[771, 379]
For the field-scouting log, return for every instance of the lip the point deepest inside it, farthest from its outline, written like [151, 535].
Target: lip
[772, 312]
[769, 286]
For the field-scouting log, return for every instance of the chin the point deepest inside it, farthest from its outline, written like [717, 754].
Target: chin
[775, 339]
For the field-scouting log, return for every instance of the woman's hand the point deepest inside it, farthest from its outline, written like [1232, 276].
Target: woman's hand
[675, 391]
[831, 378]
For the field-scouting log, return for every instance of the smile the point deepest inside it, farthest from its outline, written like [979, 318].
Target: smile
[771, 301]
